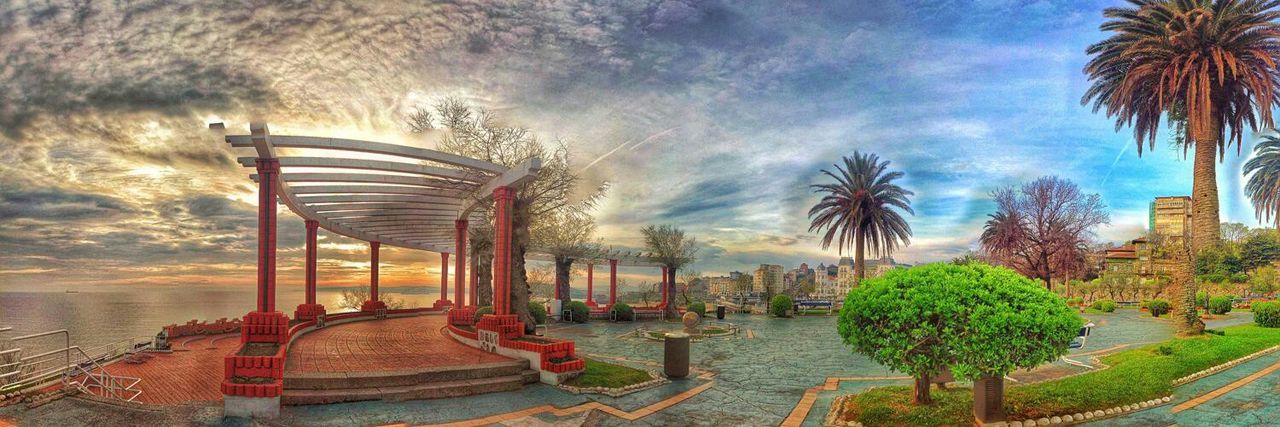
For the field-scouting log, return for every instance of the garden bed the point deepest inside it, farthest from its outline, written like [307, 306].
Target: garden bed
[611, 379]
[1133, 376]
[259, 349]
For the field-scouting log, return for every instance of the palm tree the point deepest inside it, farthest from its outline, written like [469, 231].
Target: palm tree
[1263, 187]
[860, 210]
[1209, 64]
[670, 247]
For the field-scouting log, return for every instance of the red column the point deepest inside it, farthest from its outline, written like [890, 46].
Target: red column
[460, 262]
[268, 173]
[502, 197]
[613, 282]
[309, 309]
[664, 286]
[444, 282]
[590, 299]
[374, 302]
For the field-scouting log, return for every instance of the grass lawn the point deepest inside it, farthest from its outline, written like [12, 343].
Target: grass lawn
[1134, 376]
[601, 374]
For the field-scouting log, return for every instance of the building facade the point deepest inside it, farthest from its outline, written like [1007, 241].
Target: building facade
[767, 277]
[1170, 217]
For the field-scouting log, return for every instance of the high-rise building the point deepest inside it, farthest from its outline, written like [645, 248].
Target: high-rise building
[1171, 217]
[769, 277]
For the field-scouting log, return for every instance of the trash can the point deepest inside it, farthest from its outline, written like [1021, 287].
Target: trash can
[675, 355]
[720, 312]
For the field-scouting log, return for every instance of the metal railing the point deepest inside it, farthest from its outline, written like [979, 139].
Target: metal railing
[77, 367]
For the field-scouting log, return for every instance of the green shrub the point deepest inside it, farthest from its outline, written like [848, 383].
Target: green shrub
[780, 305]
[1202, 299]
[480, 312]
[1104, 305]
[1267, 314]
[1158, 307]
[1220, 305]
[625, 312]
[698, 307]
[1165, 350]
[538, 311]
[579, 313]
[1075, 300]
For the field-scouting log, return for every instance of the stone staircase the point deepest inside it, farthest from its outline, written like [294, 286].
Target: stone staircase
[430, 383]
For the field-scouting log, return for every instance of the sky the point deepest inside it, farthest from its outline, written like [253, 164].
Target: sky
[715, 117]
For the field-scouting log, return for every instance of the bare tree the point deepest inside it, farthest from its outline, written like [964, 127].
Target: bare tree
[567, 235]
[477, 133]
[1041, 228]
[670, 247]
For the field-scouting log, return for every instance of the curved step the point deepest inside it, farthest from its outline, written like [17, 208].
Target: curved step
[356, 380]
[432, 390]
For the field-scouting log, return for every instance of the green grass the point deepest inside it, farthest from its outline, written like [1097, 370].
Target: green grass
[1134, 376]
[602, 374]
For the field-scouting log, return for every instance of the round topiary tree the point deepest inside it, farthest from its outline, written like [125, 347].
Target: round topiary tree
[1159, 307]
[780, 305]
[1220, 305]
[1104, 305]
[976, 319]
[1267, 314]
[578, 311]
[625, 312]
[697, 307]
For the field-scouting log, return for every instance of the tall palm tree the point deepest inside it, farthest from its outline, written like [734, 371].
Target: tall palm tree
[860, 210]
[1211, 65]
[1263, 187]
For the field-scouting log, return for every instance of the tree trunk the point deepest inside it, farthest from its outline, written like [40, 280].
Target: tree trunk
[1183, 293]
[520, 218]
[484, 278]
[1205, 225]
[671, 311]
[563, 267]
[920, 395]
[859, 259]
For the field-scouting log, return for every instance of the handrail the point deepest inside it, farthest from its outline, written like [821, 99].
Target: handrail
[75, 363]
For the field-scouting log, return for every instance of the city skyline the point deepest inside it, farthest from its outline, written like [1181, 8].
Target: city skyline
[712, 117]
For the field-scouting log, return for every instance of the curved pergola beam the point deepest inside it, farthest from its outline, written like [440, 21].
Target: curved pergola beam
[380, 198]
[379, 190]
[375, 165]
[370, 147]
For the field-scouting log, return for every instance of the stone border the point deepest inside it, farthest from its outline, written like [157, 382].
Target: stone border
[1086, 415]
[655, 381]
[1219, 368]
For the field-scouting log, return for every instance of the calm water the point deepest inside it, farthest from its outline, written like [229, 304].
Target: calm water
[96, 317]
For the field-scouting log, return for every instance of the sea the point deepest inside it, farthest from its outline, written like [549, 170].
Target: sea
[95, 317]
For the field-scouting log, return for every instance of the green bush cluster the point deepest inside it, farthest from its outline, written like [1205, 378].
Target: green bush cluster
[1202, 299]
[1158, 307]
[1267, 314]
[1075, 300]
[538, 311]
[625, 312]
[1220, 305]
[1104, 305]
[480, 312]
[579, 313]
[780, 304]
[698, 307]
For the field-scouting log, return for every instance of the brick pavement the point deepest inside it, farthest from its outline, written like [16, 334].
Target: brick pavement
[382, 345]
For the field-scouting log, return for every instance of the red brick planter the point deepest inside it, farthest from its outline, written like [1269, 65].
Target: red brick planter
[265, 327]
[308, 311]
[462, 316]
[238, 366]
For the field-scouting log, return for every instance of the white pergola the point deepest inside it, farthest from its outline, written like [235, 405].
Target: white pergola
[411, 199]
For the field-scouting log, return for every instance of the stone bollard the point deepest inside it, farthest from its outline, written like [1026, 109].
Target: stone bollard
[988, 399]
[676, 355]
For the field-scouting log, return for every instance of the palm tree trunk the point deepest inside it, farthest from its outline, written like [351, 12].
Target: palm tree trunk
[859, 259]
[1205, 224]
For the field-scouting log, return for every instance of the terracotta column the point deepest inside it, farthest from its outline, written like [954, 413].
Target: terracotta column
[664, 286]
[613, 282]
[460, 263]
[268, 173]
[444, 282]
[591, 302]
[374, 303]
[308, 310]
[502, 197]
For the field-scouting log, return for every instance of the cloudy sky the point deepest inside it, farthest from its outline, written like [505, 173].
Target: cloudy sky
[713, 116]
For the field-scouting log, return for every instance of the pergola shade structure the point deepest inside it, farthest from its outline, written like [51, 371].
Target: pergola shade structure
[378, 192]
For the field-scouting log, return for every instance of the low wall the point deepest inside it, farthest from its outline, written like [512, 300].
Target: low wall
[556, 360]
[194, 327]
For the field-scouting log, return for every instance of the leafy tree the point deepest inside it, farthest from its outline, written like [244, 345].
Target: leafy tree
[1234, 232]
[692, 279]
[670, 247]
[1259, 250]
[1263, 281]
[1209, 64]
[1218, 260]
[976, 319]
[1042, 228]
[567, 234]
[861, 210]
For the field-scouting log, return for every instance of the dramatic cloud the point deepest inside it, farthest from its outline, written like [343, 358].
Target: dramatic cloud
[715, 116]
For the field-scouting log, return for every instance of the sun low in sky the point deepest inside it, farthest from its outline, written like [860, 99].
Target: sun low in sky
[712, 116]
